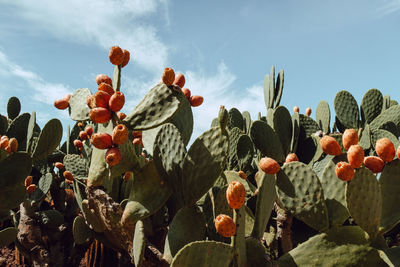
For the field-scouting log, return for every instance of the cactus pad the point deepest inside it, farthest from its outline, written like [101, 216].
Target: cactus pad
[7, 236]
[371, 105]
[346, 109]
[78, 108]
[266, 140]
[81, 231]
[323, 116]
[13, 107]
[49, 139]
[282, 125]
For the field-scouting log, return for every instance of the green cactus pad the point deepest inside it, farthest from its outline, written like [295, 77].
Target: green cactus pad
[279, 88]
[393, 102]
[50, 218]
[265, 202]
[204, 254]
[323, 116]
[33, 131]
[238, 241]
[43, 188]
[271, 87]
[157, 107]
[232, 176]
[7, 236]
[268, 94]
[364, 200]
[139, 244]
[3, 124]
[371, 105]
[234, 135]
[390, 187]
[282, 125]
[14, 169]
[391, 127]
[342, 246]
[187, 226]
[246, 121]
[116, 80]
[90, 216]
[149, 192]
[78, 108]
[308, 126]
[76, 165]
[346, 109]
[235, 119]
[365, 140]
[244, 152]
[266, 140]
[81, 231]
[13, 107]
[391, 114]
[391, 256]
[183, 120]
[49, 139]
[334, 192]
[300, 191]
[386, 102]
[380, 133]
[203, 164]
[18, 128]
[256, 253]
[11, 196]
[129, 160]
[295, 132]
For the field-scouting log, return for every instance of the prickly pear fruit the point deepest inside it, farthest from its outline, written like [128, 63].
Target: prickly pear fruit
[101, 99]
[68, 175]
[330, 146]
[83, 135]
[116, 55]
[121, 115]
[80, 124]
[385, 149]
[127, 176]
[62, 103]
[102, 78]
[296, 109]
[349, 138]
[355, 156]
[100, 115]
[291, 157]
[168, 76]
[31, 188]
[137, 141]
[90, 102]
[269, 165]
[186, 92]
[13, 144]
[242, 175]
[113, 156]
[225, 225]
[179, 80]
[308, 111]
[127, 57]
[28, 181]
[344, 171]
[137, 134]
[375, 164]
[196, 100]
[105, 87]
[59, 165]
[398, 152]
[235, 195]
[101, 140]
[89, 130]
[120, 134]
[116, 101]
[78, 143]
[4, 141]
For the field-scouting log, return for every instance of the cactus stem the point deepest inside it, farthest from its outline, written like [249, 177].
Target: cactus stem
[284, 224]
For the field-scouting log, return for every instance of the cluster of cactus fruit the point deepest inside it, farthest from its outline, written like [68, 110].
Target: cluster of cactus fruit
[280, 190]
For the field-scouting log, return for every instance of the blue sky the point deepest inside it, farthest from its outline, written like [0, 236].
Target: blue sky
[49, 48]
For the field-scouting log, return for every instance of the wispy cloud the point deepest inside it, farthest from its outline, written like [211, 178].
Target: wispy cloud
[389, 7]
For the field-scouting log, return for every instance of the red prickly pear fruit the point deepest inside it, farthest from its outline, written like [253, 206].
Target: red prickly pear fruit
[28, 181]
[83, 135]
[116, 55]
[137, 134]
[168, 76]
[121, 115]
[120, 134]
[308, 111]
[385, 149]
[355, 156]
[90, 101]
[179, 80]
[291, 157]
[235, 195]
[225, 225]
[89, 130]
[186, 92]
[70, 182]
[127, 176]
[68, 175]
[59, 165]
[349, 138]
[127, 57]
[196, 100]
[102, 78]
[344, 171]
[105, 87]
[13, 144]
[80, 124]
[137, 141]
[113, 156]
[330, 146]
[4, 141]
[242, 175]
[116, 101]
[61, 103]
[101, 140]
[296, 109]
[78, 143]
[31, 188]
[101, 99]
[269, 165]
[375, 164]
[100, 115]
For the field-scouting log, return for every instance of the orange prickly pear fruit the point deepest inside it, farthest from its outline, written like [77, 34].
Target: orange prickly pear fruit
[102, 78]
[83, 135]
[68, 175]
[61, 103]
[102, 140]
[31, 188]
[13, 144]
[385, 149]
[28, 181]
[269, 165]
[179, 80]
[355, 156]
[89, 130]
[235, 195]
[121, 115]
[296, 109]
[116, 101]
[127, 176]
[225, 225]
[168, 76]
[101, 99]
[375, 164]
[69, 182]
[127, 57]
[291, 157]
[90, 101]
[349, 138]
[196, 100]
[113, 156]
[80, 124]
[137, 141]
[330, 146]
[120, 134]
[59, 165]
[344, 171]
[308, 111]
[105, 87]
[100, 115]
[4, 141]
[242, 175]
[116, 55]
[78, 143]
[186, 92]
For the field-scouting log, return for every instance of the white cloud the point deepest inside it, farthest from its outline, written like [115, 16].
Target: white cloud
[389, 7]
[101, 22]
